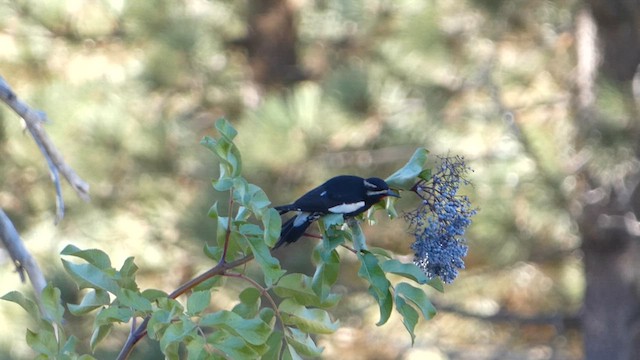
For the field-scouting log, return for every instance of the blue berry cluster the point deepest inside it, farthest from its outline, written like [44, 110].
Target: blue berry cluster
[439, 223]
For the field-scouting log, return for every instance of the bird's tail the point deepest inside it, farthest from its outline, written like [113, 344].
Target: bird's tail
[293, 229]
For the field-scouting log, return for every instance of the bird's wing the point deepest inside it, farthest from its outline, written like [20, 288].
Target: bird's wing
[333, 193]
[294, 228]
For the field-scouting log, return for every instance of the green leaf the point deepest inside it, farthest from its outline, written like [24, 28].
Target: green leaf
[267, 315]
[270, 266]
[197, 302]
[95, 257]
[303, 343]
[52, 304]
[275, 346]
[171, 351]
[272, 223]
[254, 331]
[249, 303]
[299, 287]
[86, 357]
[290, 353]
[134, 300]
[316, 321]
[259, 199]
[213, 211]
[248, 229]
[390, 207]
[227, 153]
[154, 294]
[359, 241]
[407, 270]
[379, 285]
[113, 314]
[437, 284]
[232, 346]
[27, 304]
[243, 214]
[225, 129]
[380, 252]
[224, 182]
[213, 252]
[332, 236]
[176, 332]
[251, 196]
[418, 297]
[405, 177]
[409, 317]
[425, 174]
[158, 322]
[43, 342]
[326, 275]
[69, 346]
[196, 348]
[332, 220]
[126, 275]
[92, 300]
[171, 305]
[88, 275]
[99, 334]
[295, 285]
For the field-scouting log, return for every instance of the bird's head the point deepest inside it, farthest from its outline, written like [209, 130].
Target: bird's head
[377, 189]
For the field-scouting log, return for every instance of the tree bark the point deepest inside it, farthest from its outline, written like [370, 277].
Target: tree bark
[271, 43]
[608, 217]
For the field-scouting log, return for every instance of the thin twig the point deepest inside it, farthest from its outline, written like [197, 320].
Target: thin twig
[263, 292]
[141, 331]
[33, 120]
[227, 237]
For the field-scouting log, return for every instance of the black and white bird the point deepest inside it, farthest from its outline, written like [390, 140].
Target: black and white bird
[345, 194]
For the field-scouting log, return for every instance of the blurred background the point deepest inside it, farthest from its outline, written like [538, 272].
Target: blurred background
[538, 96]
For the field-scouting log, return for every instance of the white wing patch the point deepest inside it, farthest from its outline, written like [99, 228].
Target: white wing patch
[323, 193]
[347, 208]
[301, 219]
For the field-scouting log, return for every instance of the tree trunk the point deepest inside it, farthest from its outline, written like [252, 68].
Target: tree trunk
[609, 210]
[611, 311]
[271, 43]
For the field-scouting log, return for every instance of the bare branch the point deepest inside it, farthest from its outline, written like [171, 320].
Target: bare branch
[21, 257]
[33, 120]
[560, 321]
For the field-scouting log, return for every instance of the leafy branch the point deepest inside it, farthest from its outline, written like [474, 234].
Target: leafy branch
[297, 305]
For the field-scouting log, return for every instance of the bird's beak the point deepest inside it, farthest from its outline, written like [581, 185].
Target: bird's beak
[392, 193]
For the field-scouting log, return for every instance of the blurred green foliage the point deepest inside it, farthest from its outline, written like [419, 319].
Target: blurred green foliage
[131, 86]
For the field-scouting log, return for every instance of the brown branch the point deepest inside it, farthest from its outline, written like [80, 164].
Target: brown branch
[141, 331]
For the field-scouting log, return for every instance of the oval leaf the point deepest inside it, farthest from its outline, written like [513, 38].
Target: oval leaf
[407, 270]
[406, 176]
[316, 321]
